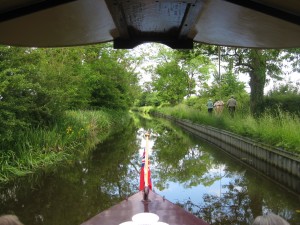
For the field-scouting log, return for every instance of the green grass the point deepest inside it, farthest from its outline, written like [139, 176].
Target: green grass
[281, 130]
[75, 134]
[143, 109]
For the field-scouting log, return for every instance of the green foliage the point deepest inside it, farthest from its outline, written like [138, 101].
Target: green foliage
[280, 131]
[76, 133]
[177, 74]
[293, 57]
[282, 89]
[171, 82]
[288, 103]
[62, 74]
[143, 109]
[194, 102]
[200, 103]
[225, 87]
[23, 100]
[197, 66]
[197, 103]
[38, 85]
[111, 83]
[230, 85]
[285, 97]
[257, 63]
[148, 99]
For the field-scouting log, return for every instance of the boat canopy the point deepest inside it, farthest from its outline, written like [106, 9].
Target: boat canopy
[128, 23]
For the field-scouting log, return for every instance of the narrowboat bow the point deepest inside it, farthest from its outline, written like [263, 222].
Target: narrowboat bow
[167, 212]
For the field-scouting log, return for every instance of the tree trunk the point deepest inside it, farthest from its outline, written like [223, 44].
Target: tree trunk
[257, 81]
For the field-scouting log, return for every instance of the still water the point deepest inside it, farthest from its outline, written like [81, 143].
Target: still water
[186, 170]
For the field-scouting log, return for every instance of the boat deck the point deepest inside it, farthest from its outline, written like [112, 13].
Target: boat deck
[168, 212]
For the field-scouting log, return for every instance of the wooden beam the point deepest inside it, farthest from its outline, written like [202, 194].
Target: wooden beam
[117, 12]
[190, 18]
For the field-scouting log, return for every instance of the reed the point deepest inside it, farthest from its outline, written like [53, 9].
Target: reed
[282, 130]
[75, 134]
[279, 129]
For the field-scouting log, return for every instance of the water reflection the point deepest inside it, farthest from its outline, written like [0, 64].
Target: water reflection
[73, 193]
[187, 171]
[208, 183]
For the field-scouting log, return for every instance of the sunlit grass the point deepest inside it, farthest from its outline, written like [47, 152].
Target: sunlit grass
[281, 130]
[143, 109]
[75, 134]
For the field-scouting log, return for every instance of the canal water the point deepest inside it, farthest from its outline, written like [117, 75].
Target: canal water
[185, 170]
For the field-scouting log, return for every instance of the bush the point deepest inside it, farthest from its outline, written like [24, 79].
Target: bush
[288, 103]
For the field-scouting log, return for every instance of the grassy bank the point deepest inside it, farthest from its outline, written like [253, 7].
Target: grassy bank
[75, 134]
[279, 131]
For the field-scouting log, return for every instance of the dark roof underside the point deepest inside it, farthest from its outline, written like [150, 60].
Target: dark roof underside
[128, 23]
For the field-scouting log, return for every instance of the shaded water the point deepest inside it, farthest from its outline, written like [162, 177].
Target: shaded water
[185, 170]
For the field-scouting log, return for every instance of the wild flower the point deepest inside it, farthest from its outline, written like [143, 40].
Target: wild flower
[69, 130]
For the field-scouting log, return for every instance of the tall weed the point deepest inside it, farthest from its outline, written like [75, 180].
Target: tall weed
[280, 129]
[74, 134]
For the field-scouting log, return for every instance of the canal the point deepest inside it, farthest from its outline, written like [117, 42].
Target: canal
[186, 170]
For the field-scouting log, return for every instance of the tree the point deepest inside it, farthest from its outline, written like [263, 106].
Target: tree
[62, 74]
[171, 82]
[225, 85]
[148, 97]
[258, 63]
[111, 81]
[292, 56]
[19, 94]
[38, 85]
[285, 97]
[197, 66]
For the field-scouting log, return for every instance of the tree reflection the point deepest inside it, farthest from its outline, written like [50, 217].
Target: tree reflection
[186, 165]
[177, 158]
[240, 203]
[72, 194]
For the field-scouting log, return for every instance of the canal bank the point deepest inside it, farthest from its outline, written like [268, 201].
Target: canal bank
[272, 162]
